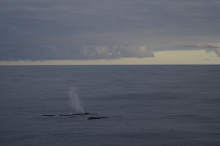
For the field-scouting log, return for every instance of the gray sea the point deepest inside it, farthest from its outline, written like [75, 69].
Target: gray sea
[145, 105]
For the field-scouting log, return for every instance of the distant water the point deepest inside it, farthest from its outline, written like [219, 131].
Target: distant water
[146, 105]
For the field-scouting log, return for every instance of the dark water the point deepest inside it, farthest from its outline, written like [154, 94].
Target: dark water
[146, 105]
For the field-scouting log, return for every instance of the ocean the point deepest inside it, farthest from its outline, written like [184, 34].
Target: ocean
[152, 105]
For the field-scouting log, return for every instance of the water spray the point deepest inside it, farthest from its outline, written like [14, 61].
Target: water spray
[75, 100]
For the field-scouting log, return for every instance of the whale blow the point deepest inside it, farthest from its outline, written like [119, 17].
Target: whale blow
[75, 100]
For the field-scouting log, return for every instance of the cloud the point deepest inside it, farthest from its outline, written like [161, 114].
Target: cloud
[104, 52]
[80, 53]
[208, 48]
[97, 29]
[216, 50]
[202, 46]
[139, 52]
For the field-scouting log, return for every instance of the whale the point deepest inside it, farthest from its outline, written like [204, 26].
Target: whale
[93, 118]
[68, 115]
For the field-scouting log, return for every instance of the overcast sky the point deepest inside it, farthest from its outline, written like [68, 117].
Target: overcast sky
[106, 29]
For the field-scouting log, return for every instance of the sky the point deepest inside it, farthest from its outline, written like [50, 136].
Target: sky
[89, 32]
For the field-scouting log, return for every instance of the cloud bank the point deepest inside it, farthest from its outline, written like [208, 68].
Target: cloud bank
[85, 53]
[208, 48]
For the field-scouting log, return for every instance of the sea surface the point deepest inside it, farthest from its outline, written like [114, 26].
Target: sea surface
[145, 105]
